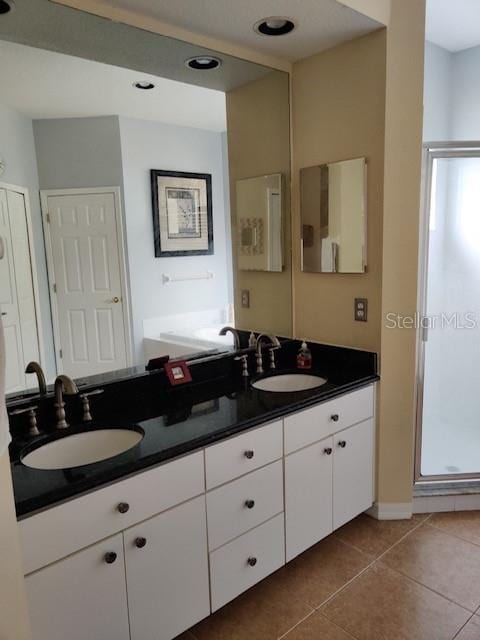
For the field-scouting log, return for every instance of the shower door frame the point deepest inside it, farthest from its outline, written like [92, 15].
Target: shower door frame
[432, 151]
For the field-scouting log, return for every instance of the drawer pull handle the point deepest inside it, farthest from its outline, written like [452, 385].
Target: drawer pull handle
[140, 542]
[249, 454]
[342, 444]
[252, 561]
[110, 557]
[328, 451]
[123, 507]
[334, 417]
[249, 504]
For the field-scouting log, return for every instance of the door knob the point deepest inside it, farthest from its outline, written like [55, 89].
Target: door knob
[252, 561]
[115, 300]
[335, 417]
[249, 454]
[140, 542]
[123, 507]
[342, 444]
[249, 504]
[328, 451]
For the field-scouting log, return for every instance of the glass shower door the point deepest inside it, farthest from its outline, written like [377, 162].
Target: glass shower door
[449, 407]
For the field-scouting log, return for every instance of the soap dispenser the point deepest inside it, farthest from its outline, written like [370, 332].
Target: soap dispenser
[304, 357]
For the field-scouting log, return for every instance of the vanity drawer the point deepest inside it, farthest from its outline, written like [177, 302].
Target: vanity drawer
[244, 504]
[237, 566]
[317, 423]
[240, 455]
[57, 532]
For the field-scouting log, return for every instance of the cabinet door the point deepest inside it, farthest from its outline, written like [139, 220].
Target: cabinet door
[167, 572]
[82, 596]
[308, 496]
[352, 472]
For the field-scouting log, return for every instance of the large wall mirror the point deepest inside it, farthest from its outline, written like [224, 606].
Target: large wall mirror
[89, 109]
[333, 217]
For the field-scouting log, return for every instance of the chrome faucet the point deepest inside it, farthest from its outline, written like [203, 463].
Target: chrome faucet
[234, 332]
[34, 367]
[274, 341]
[63, 384]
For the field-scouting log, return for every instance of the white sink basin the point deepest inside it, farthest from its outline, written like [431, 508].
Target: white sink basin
[288, 382]
[82, 448]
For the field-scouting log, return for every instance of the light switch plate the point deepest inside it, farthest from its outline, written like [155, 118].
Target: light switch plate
[361, 309]
[246, 298]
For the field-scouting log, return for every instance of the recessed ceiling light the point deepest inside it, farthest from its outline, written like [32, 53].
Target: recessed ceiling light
[203, 62]
[274, 26]
[144, 84]
[5, 6]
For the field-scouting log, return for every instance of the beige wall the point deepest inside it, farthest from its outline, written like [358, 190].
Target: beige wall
[338, 99]
[258, 130]
[403, 140]
[14, 623]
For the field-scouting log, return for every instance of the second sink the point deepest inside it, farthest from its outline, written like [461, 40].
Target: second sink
[289, 382]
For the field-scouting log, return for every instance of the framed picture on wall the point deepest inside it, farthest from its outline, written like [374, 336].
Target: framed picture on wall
[182, 213]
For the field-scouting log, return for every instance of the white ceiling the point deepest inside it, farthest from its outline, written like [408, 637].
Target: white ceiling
[453, 24]
[44, 84]
[321, 24]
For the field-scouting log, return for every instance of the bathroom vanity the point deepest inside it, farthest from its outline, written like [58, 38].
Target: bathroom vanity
[209, 503]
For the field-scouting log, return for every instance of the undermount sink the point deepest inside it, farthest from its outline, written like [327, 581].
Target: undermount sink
[79, 449]
[289, 382]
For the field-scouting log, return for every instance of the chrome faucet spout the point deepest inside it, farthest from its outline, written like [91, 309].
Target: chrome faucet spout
[34, 367]
[63, 385]
[235, 333]
[274, 341]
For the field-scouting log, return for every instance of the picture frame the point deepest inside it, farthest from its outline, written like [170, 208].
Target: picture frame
[182, 213]
[177, 372]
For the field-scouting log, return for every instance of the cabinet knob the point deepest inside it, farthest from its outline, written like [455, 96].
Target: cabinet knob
[249, 454]
[328, 451]
[123, 507]
[334, 417]
[342, 443]
[249, 504]
[110, 557]
[140, 542]
[252, 561]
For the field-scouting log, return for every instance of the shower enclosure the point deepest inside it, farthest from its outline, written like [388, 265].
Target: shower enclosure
[448, 412]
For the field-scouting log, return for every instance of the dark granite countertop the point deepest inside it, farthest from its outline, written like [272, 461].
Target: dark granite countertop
[188, 418]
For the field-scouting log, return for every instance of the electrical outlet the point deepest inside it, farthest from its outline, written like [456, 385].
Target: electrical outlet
[361, 309]
[246, 298]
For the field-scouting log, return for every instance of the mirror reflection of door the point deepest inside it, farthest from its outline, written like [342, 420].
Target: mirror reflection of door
[17, 295]
[85, 266]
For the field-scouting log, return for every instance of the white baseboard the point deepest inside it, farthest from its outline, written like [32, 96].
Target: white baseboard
[391, 511]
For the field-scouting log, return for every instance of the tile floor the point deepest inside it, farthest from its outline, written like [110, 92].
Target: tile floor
[416, 579]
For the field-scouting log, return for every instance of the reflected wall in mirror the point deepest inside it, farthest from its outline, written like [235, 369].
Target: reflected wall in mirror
[81, 290]
[333, 217]
[260, 225]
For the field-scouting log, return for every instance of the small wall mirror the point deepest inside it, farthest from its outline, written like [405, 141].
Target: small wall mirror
[260, 226]
[333, 217]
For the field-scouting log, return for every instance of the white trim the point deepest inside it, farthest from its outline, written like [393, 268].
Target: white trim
[33, 263]
[391, 511]
[124, 280]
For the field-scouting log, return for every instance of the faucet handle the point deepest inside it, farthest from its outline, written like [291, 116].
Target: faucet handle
[244, 360]
[87, 416]
[272, 357]
[31, 410]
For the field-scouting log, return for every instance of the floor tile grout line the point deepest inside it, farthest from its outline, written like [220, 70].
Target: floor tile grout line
[463, 627]
[453, 535]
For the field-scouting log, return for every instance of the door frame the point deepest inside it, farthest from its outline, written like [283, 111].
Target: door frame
[33, 264]
[431, 152]
[124, 279]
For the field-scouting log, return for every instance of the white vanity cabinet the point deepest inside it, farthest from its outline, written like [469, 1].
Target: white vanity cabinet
[149, 556]
[167, 572]
[329, 482]
[82, 596]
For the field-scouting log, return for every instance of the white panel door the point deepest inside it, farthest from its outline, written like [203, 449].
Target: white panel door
[352, 472]
[17, 301]
[167, 572]
[87, 277]
[308, 496]
[81, 597]
[23, 276]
